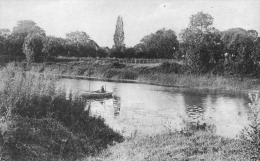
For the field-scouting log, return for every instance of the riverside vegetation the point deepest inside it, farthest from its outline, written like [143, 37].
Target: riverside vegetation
[197, 146]
[38, 121]
[166, 73]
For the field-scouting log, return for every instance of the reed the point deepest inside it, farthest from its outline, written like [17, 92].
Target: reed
[39, 122]
[251, 134]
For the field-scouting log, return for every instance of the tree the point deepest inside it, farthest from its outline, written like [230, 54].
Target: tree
[81, 43]
[26, 27]
[4, 34]
[51, 46]
[140, 51]
[102, 53]
[119, 35]
[253, 34]
[201, 21]
[256, 52]
[201, 43]
[32, 47]
[78, 37]
[240, 45]
[20, 32]
[161, 44]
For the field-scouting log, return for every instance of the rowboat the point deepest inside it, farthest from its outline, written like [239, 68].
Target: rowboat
[96, 94]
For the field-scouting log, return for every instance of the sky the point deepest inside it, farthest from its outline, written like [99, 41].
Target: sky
[141, 17]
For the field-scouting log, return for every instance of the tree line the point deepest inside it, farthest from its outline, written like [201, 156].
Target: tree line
[203, 47]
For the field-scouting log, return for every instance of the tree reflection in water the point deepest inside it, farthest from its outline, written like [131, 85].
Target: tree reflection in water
[196, 121]
[116, 106]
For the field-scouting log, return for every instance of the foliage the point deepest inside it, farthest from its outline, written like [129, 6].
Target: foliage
[20, 32]
[201, 21]
[52, 46]
[256, 52]
[203, 48]
[119, 35]
[26, 27]
[201, 43]
[78, 37]
[102, 53]
[79, 44]
[162, 44]
[32, 47]
[168, 67]
[4, 33]
[239, 44]
[251, 135]
[39, 122]
[130, 53]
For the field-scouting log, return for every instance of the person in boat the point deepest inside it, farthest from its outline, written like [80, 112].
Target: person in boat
[102, 90]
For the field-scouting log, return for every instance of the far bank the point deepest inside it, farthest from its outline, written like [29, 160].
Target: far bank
[165, 74]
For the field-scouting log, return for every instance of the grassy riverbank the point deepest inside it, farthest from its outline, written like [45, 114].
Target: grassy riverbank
[39, 122]
[199, 146]
[170, 74]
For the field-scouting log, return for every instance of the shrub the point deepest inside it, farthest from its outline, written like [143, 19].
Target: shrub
[111, 73]
[168, 67]
[128, 74]
[117, 65]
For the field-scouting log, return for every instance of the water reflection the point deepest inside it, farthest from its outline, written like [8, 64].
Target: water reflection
[151, 109]
[116, 106]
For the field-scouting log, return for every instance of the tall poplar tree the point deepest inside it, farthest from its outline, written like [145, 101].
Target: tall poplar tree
[119, 34]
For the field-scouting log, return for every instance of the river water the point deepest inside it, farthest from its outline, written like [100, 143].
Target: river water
[150, 109]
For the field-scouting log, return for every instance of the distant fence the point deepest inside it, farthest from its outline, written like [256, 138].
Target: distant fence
[134, 61]
[119, 60]
[8, 58]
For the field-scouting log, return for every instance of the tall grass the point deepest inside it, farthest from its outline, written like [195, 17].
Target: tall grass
[251, 135]
[199, 146]
[166, 73]
[38, 122]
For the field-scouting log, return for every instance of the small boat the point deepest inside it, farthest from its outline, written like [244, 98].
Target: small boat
[96, 94]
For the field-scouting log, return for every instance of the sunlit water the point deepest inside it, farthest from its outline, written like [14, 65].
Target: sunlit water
[149, 109]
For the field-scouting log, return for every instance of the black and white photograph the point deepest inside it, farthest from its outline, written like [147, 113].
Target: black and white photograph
[129, 80]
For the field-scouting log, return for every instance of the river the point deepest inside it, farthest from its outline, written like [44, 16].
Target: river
[149, 109]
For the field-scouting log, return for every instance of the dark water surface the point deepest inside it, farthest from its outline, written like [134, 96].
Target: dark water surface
[149, 109]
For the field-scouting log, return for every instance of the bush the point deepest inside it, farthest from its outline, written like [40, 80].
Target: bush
[128, 74]
[117, 65]
[111, 73]
[170, 67]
